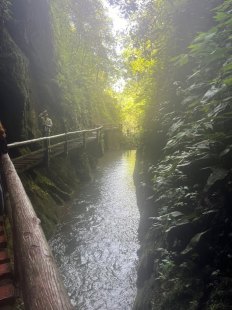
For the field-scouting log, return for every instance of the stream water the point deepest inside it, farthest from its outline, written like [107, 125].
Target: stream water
[96, 244]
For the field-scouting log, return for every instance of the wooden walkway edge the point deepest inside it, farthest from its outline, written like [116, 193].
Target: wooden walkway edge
[52, 146]
[34, 266]
[41, 285]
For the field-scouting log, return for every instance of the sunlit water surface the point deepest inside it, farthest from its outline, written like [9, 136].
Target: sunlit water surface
[96, 244]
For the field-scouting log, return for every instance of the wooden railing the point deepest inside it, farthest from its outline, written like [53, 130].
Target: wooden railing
[65, 137]
[52, 146]
[35, 268]
[39, 279]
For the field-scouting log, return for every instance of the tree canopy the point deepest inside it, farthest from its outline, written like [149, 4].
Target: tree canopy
[85, 50]
[178, 72]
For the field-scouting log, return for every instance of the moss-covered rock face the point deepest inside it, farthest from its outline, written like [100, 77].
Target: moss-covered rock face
[14, 89]
[27, 68]
[36, 56]
[28, 79]
[50, 189]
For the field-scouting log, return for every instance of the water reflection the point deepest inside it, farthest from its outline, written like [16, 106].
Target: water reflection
[97, 243]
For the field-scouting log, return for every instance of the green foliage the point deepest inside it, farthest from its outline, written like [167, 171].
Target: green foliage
[84, 52]
[131, 108]
[187, 113]
[160, 32]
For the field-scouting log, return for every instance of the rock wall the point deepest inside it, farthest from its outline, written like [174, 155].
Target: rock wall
[27, 69]
[28, 86]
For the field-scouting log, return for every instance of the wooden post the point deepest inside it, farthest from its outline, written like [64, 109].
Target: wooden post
[97, 136]
[100, 145]
[100, 135]
[46, 153]
[84, 140]
[41, 284]
[66, 145]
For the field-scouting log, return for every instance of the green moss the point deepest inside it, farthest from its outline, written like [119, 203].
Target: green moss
[50, 189]
[15, 89]
[45, 207]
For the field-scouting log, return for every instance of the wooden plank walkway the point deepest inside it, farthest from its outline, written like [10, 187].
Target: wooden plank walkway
[45, 148]
[34, 265]
[39, 279]
[34, 158]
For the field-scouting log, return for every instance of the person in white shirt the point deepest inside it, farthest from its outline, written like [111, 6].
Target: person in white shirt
[46, 122]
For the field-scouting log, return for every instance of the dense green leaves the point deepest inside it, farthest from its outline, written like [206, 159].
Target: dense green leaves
[185, 96]
[187, 121]
[84, 48]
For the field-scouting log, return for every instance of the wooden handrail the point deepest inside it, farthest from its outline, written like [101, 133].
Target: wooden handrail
[27, 142]
[40, 281]
[39, 278]
[47, 141]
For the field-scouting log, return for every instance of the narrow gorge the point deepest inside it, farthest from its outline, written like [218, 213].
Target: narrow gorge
[161, 72]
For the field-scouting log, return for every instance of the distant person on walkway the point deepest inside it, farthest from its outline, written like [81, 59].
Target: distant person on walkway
[46, 123]
[3, 150]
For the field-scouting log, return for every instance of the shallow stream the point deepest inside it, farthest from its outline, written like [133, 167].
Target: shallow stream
[96, 244]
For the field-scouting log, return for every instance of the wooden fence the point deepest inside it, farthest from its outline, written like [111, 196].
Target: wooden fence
[39, 279]
[47, 147]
